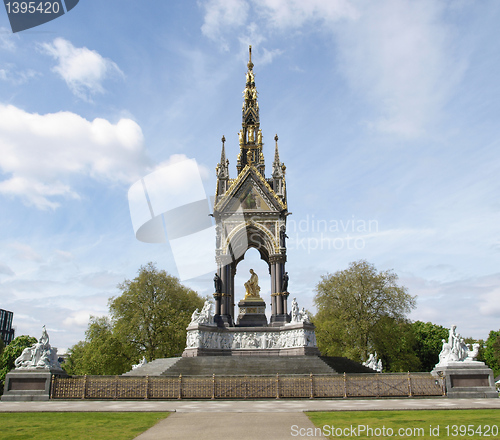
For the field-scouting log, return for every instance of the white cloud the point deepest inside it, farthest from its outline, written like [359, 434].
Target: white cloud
[83, 69]
[397, 53]
[7, 39]
[17, 77]
[400, 54]
[223, 15]
[42, 152]
[25, 252]
[205, 172]
[6, 270]
[79, 319]
[287, 14]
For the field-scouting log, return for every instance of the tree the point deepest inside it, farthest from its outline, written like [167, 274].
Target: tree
[101, 352]
[492, 352]
[394, 342]
[11, 353]
[152, 313]
[429, 343]
[351, 303]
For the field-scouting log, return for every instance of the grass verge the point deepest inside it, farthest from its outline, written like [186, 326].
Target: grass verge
[422, 424]
[77, 425]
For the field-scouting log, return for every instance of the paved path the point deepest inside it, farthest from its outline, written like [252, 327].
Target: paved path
[234, 425]
[245, 406]
[241, 419]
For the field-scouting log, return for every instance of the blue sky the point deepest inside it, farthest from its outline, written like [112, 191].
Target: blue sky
[387, 114]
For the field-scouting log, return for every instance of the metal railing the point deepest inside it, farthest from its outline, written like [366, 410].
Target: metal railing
[247, 387]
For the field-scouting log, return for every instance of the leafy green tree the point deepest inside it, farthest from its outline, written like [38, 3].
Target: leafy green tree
[101, 352]
[11, 353]
[394, 342]
[2, 346]
[350, 305]
[429, 343]
[152, 313]
[492, 352]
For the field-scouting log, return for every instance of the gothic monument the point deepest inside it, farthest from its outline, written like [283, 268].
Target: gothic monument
[250, 211]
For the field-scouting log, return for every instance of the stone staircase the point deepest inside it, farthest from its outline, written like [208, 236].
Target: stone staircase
[248, 365]
[154, 368]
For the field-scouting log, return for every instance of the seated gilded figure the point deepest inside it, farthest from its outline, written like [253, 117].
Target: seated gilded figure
[252, 286]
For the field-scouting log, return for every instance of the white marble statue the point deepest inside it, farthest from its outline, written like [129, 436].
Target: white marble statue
[140, 364]
[205, 317]
[39, 356]
[298, 315]
[295, 311]
[373, 362]
[456, 350]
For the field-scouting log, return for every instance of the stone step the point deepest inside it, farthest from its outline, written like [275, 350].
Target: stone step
[154, 368]
[248, 365]
[263, 365]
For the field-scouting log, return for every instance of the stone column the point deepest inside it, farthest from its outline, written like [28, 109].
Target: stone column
[231, 285]
[279, 298]
[273, 290]
[217, 296]
[224, 290]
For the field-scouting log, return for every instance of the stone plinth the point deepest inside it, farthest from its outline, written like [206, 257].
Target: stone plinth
[29, 385]
[471, 379]
[288, 340]
[252, 313]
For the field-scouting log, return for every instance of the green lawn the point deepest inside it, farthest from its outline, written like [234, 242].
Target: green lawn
[421, 424]
[77, 425]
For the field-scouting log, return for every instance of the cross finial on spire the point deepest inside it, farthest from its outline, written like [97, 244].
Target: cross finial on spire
[250, 64]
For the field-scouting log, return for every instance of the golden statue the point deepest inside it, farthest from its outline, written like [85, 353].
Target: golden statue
[249, 157]
[251, 134]
[252, 286]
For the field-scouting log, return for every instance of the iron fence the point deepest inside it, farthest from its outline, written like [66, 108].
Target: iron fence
[247, 387]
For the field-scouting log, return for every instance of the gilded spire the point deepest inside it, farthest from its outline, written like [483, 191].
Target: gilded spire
[250, 135]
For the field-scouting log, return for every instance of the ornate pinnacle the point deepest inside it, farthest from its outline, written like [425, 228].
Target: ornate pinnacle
[250, 64]
[276, 153]
[223, 152]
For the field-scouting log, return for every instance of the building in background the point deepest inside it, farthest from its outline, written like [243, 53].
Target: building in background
[6, 330]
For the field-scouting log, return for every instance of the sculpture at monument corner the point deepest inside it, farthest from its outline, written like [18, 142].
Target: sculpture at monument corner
[456, 350]
[374, 363]
[140, 364]
[252, 286]
[39, 356]
[298, 315]
[205, 317]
